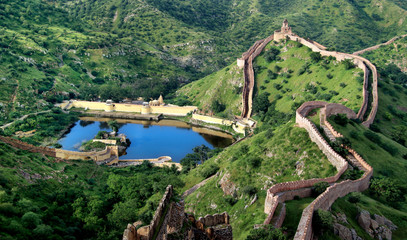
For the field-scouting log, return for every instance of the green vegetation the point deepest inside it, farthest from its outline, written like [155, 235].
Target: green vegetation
[92, 146]
[297, 75]
[222, 88]
[47, 199]
[49, 127]
[294, 210]
[249, 168]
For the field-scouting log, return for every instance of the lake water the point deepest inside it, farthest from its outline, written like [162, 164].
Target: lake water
[149, 139]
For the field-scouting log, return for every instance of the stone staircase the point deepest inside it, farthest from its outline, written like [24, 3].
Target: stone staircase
[328, 133]
[355, 163]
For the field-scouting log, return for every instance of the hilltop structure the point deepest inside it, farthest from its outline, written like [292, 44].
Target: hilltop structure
[285, 30]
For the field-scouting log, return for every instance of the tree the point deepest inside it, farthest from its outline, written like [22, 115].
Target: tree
[30, 220]
[202, 152]
[322, 221]
[387, 188]
[319, 188]
[261, 102]
[217, 106]
[316, 56]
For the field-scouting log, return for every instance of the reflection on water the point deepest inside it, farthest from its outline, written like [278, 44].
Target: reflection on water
[149, 139]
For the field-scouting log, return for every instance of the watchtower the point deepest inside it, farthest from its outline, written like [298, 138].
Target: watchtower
[285, 30]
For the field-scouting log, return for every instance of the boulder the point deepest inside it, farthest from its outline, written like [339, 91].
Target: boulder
[381, 220]
[364, 220]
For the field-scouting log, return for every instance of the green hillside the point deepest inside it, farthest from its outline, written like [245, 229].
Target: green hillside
[250, 168]
[224, 86]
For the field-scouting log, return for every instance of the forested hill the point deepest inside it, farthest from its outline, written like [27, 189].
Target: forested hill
[55, 50]
[346, 25]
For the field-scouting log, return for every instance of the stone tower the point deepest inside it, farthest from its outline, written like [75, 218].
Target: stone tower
[285, 30]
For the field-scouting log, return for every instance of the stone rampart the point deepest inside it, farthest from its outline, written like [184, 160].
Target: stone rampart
[252, 53]
[28, 147]
[63, 154]
[105, 141]
[326, 199]
[214, 220]
[102, 155]
[361, 63]
[147, 232]
[379, 45]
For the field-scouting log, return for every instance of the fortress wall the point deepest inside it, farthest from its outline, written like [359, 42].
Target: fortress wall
[147, 232]
[280, 218]
[336, 108]
[173, 110]
[361, 63]
[326, 199]
[213, 220]
[214, 120]
[287, 191]
[73, 155]
[89, 105]
[379, 45]
[252, 53]
[28, 147]
[123, 107]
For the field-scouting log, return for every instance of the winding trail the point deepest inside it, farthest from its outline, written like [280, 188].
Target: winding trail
[22, 118]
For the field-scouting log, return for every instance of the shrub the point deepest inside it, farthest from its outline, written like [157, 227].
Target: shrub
[341, 119]
[254, 162]
[329, 76]
[315, 56]
[387, 188]
[353, 198]
[319, 188]
[30, 220]
[249, 190]
[231, 200]
[217, 106]
[322, 221]
[209, 170]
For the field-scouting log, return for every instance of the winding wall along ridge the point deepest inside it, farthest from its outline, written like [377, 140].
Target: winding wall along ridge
[379, 45]
[361, 62]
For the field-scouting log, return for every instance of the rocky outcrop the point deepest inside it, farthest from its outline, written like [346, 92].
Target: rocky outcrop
[379, 227]
[345, 233]
[227, 186]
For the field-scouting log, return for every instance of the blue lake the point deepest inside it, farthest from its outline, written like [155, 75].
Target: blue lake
[149, 139]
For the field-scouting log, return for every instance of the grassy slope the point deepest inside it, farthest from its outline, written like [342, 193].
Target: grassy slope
[289, 147]
[293, 58]
[225, 86]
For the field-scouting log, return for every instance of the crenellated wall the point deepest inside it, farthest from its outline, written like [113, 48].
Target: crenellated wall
[326, 199]
[362, 63]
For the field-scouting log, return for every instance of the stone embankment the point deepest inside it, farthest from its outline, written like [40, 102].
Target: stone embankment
[111, 152]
